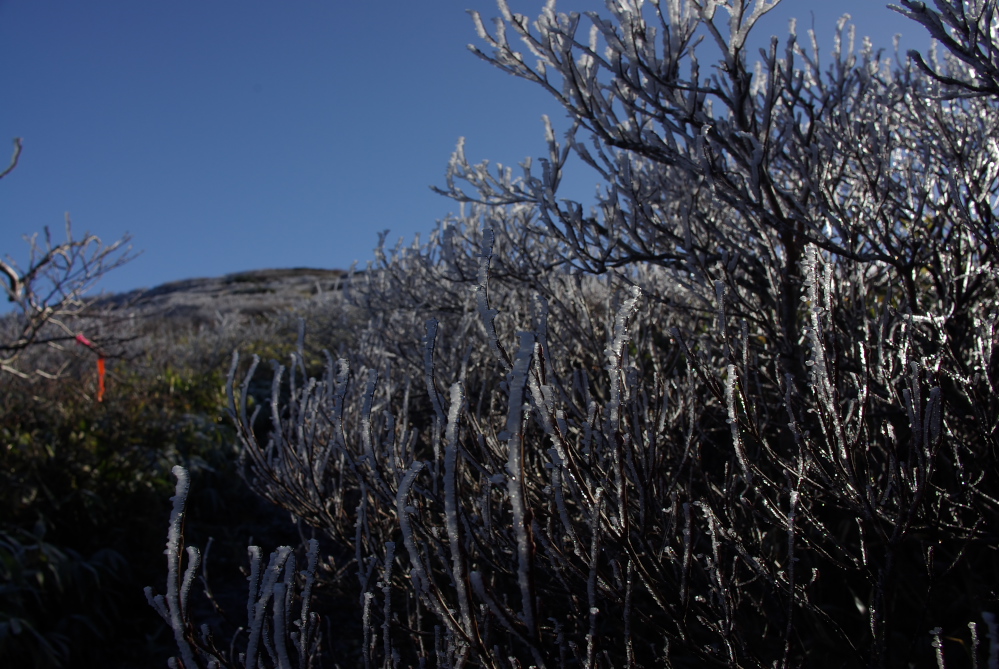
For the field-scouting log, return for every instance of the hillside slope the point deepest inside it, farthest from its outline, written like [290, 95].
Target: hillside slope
[252, 293]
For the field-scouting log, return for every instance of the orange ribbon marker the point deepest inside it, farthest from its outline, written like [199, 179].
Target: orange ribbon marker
[101, 369]
[100, 379]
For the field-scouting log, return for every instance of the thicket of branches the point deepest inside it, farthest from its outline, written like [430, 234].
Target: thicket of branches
[743, 412]
[50, 298]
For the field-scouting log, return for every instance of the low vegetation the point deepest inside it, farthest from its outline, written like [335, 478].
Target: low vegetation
[741, 413]
[83, 485]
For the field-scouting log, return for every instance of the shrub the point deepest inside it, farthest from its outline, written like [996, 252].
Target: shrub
[743, 413]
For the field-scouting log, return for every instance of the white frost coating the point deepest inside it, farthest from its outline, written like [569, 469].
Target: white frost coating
[552, 420]
[613, 352]
[175, 539]
[157, 602]
[451, 507]
[973, 626]
[515, 471]
[193, 562]
[821, 383]
[722, 317]
[938, 646]
[716, 532]
[270, 579]
[277, 439]
[733, 422]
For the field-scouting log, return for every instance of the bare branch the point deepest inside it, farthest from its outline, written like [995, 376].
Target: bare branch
[18, 144]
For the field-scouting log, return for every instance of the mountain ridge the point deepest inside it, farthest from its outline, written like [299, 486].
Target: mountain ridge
[248, 293]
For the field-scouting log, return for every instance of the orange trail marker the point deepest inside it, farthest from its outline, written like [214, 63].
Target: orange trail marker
[101, 369]
[100, 379]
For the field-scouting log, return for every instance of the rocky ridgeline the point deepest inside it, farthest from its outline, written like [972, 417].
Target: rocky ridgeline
[253, 293]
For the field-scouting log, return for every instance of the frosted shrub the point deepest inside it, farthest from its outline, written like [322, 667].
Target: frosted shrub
[667, 504]
[743, 413]
[273, 635]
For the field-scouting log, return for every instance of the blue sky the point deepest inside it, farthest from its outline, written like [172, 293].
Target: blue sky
[228, 135]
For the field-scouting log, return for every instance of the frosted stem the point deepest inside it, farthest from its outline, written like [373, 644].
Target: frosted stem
[515, 476]
[193, 562]
[270, 579]
[733, 422]
[175, 542]
[451, 508]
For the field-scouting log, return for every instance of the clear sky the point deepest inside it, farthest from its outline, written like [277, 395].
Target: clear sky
[228, 135]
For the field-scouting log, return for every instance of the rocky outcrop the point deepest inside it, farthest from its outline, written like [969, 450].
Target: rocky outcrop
[253, 293]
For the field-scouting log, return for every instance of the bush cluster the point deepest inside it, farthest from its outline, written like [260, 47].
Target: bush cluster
[743, 413]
